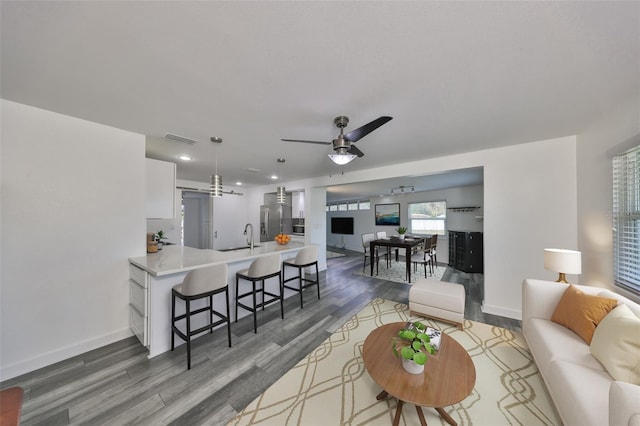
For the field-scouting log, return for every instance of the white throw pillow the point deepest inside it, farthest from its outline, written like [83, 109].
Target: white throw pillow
[616, 344]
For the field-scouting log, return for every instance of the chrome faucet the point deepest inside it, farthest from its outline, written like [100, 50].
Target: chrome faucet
[250, 242]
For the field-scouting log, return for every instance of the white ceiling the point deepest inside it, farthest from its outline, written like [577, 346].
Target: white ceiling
[455, 76]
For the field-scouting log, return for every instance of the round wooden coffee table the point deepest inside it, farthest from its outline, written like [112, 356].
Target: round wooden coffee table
[448, 378]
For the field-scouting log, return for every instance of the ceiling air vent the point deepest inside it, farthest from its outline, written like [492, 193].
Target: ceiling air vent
[180, 139]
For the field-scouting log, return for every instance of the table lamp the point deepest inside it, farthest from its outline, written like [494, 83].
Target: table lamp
[563, 262]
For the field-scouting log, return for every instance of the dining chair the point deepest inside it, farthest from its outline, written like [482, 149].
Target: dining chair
[366, 240]
[434, 255]
[423, 257]
[383, 234]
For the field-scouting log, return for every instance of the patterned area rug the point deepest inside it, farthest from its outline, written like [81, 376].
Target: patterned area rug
[397, 272]
[331, 386]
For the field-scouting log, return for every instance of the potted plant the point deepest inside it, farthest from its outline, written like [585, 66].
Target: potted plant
[401, 231]
[159, 237]
[412, 346]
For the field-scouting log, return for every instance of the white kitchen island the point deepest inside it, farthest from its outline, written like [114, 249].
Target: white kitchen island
[154, 275]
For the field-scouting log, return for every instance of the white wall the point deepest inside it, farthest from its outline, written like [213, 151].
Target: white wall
[596, 145]
[229, 220]
[72, 212]
[529, 204]
[364, 220]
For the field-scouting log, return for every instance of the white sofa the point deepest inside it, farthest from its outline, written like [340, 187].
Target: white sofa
[582, 390]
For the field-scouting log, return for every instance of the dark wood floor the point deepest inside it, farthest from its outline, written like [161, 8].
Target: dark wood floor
[118, 385]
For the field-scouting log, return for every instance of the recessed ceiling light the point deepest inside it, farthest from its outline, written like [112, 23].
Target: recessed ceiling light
[238, 183]
[274, 177]
[185, 158]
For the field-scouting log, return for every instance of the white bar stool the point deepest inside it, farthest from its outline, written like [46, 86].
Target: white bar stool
[199, 284]
[260, 269]
[306, 257]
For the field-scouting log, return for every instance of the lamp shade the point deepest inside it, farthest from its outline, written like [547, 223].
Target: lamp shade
[563, 261]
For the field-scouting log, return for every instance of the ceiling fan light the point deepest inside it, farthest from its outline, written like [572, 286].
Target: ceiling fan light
[342, 159]
[216, 186]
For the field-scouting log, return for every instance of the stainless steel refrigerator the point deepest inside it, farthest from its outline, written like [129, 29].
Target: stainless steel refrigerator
[275, 218]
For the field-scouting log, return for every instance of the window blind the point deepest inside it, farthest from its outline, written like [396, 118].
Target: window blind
[626, 219]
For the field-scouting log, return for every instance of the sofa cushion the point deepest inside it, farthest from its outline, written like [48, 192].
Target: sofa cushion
[580, 394]
[616, 344]
[635, 308]
[549, 341]
[581, 312]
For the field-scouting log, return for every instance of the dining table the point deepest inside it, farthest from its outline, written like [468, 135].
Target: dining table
[408, 243]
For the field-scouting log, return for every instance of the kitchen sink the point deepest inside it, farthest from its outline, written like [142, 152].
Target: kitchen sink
[238, 248]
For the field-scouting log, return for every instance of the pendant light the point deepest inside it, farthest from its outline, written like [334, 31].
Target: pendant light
[281, 196]
[216, 179]
[216, 185]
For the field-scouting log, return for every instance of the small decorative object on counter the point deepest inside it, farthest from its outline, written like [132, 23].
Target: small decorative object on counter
[282, 239]
[152, 244]
[159, 237]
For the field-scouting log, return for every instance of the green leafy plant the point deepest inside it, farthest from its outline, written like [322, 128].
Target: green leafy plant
[160, 235]
[413, 343]
[401, 230]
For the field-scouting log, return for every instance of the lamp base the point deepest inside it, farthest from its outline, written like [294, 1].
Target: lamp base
[562, 278]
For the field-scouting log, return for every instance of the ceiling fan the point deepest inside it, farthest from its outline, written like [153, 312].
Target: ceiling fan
[343, 146]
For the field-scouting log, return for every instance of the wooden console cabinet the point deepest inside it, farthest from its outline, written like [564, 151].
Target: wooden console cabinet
[465, 251]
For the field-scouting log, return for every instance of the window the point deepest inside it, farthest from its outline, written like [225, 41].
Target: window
[626, 220]
[365, 205]
[342, 207]
[353, 206]
[427, 218]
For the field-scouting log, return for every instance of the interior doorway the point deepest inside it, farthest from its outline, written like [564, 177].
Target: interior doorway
[196, 219]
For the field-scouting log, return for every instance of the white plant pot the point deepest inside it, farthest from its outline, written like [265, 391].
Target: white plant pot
[401, 236]
[411, 367]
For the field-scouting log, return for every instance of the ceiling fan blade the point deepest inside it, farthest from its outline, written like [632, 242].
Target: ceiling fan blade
[303, 141]
[353, 150]
[363, 131]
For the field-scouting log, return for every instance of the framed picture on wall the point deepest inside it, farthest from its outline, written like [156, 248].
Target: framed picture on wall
[387, 214]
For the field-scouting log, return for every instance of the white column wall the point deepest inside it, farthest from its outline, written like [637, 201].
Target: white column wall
[72, 212]
[529, 204]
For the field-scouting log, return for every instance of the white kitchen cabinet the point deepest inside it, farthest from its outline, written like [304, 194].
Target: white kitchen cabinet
[297, 204]
[139, 303]
[161, 189]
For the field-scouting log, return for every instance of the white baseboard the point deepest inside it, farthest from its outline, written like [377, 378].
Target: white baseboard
[43, 360]
[501, 311]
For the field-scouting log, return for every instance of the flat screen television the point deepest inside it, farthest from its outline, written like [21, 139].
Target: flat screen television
[342, 225]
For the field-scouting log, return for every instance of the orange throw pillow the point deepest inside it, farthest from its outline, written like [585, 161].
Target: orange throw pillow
[581, 312]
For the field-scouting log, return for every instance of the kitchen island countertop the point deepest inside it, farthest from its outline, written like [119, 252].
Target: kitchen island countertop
[174, 258]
